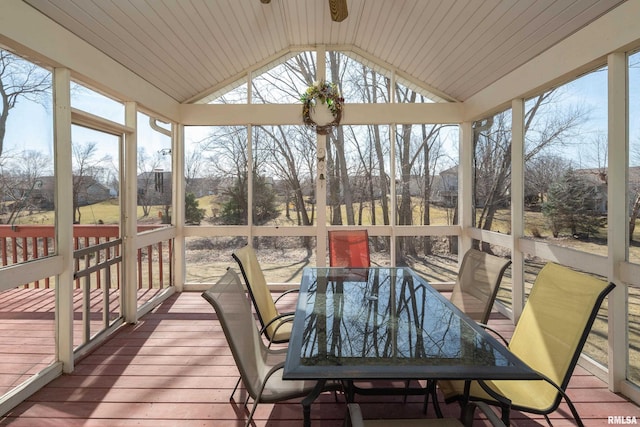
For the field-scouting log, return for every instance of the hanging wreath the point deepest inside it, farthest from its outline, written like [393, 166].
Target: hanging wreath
[325, 93]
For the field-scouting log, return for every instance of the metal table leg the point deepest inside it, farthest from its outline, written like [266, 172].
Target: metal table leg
[307, 401]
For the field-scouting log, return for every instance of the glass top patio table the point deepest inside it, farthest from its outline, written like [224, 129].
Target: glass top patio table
[388, 323]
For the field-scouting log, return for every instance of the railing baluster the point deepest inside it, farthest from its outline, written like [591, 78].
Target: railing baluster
[45, 253]
[97, 261]
[3, 244]
[150, 267]
[139, 268]
[76, 244]
[14, 255]
[34, 251]
[160, 275]
[86, 309]
[106, 295]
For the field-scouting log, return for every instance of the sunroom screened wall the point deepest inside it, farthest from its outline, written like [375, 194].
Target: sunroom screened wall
[355, 176]
[582, 51]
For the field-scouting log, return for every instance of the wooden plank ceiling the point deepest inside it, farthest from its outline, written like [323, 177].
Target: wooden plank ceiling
[190, 48]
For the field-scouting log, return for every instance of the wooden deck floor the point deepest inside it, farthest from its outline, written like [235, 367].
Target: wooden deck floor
[174, 369]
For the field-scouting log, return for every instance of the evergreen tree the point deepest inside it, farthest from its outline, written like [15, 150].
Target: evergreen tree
[234, 210]
[569, 205]
[193, 214]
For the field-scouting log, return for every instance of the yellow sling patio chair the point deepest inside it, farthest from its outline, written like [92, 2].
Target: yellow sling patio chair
[549, 337]
[276, 326]
[260, 367]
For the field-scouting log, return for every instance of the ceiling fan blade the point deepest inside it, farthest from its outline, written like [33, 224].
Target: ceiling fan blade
[338, 10]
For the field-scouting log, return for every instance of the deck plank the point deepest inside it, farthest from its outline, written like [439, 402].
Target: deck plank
[175, 369]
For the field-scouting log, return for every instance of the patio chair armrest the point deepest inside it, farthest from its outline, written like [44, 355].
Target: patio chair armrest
[275, 368]
[281, 318]
[290, 291]
[493, 331]
[354, 416]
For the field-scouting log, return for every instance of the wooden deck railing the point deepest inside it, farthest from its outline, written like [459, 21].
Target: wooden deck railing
[23, 243]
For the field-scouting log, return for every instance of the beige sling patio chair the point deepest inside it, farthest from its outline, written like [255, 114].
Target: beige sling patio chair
[355, 419]
[276, 326]
[474, 292]
[549, 337]
[477, 283]
[260, 367]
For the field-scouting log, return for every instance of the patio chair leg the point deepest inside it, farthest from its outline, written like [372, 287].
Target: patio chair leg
[235, 388]
[506, 414]
[253, 410]
[574, 411]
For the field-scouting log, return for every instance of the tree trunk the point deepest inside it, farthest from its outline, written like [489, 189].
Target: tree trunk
[426, 192]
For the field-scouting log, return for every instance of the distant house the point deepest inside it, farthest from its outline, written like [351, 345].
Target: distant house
[597, 179]
[88, 190]
[445, 187]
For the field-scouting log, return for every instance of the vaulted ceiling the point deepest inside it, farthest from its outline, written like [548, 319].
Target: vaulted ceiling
[190, 48]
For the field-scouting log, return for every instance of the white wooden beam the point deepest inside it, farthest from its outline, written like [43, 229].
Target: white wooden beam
[465, 187]
[321, 175]
[517, 207]
[64, 214]
[178, 208]
[291, 114]
[128, 224]
[618, 215]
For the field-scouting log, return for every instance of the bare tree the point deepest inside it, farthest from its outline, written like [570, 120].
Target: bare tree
[19, 79]
[226, 152]
[194, 167]
[21, 180]
[88, 169]
[541, 172]
[339, 185]
[284, 150]
[290, 159]
[151, 185]
[543, 130]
